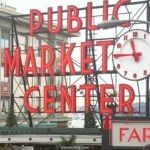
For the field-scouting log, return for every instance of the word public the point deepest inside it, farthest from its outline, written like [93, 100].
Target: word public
[37, 18]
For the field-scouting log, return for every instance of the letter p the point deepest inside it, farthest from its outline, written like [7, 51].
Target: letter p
[36, 20]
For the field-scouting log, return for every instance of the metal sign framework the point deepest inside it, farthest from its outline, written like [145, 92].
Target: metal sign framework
[142, 98]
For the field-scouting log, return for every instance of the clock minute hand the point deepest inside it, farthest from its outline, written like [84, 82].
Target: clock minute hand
[125, 55]
[136, 57]
[133, 46]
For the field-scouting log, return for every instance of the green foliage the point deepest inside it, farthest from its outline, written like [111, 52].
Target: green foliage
[66, 142]
[11, 119]
[89, 121]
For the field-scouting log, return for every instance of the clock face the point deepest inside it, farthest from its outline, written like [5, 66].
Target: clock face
[131, 55]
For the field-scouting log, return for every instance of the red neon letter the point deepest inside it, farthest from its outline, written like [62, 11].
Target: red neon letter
[122, 133]
[66, 98]
[104, 45]
[26, 99]
[73, 15]
[89, 16]
[48, 99]
[125, 103]
[134, 135]
[51, 26]
[66, 58]
[35, 23]
[105, 99]
[146, 134]
[12, 62]
[105, 9]
[47, 50]
[86, 60]
[88, 89]
[30, 58]
[116, 10]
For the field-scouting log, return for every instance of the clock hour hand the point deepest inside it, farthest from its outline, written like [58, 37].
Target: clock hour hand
[126, 55]
[136, 57]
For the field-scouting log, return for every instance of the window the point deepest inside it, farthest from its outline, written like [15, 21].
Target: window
[36, 45]
[4, 106]
[22, 43]
[5, 38]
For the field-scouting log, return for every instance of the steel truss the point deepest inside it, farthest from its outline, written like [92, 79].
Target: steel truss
[142, 97]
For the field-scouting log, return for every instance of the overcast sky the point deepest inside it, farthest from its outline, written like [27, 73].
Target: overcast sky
[24, 6]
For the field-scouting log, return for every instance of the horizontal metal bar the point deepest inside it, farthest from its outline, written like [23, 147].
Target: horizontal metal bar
[131, 118]
[76, 74]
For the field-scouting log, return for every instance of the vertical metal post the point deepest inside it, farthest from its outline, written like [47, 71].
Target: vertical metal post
[147, 80]
[106, 143]
[105, 140]
[147, 98]
[11, 75]
[86, 37]
[148, 15]
[96, 79]
[0, 70]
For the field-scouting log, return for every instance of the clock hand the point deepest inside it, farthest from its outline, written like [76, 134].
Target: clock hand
[136, 57]
[125, 55]
[133, 46]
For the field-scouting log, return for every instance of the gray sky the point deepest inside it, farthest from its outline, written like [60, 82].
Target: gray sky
[25, 5]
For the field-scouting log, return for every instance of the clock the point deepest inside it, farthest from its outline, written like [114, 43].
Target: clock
[131, 55]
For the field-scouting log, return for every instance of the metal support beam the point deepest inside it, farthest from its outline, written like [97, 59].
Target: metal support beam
[11, 75]
[96, 78]
[106, 140]
[14, 36]
[147, 80]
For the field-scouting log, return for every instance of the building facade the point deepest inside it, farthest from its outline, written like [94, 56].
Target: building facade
[20, 84]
